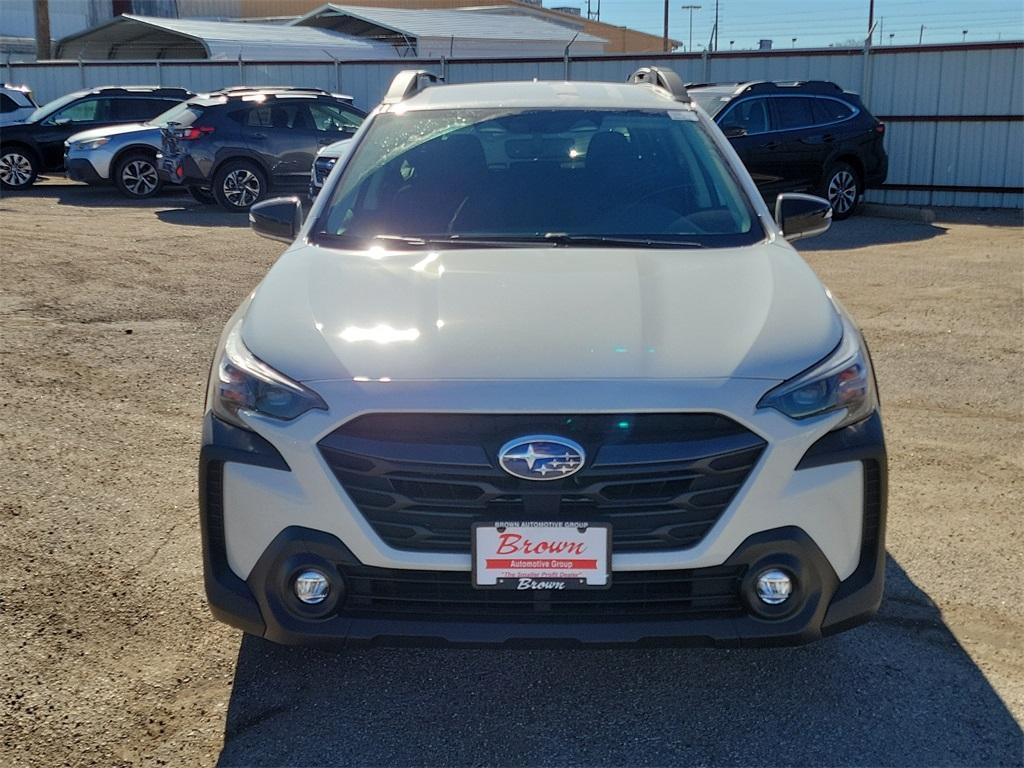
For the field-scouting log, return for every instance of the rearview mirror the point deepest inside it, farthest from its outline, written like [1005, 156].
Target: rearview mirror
[278, 219]
[800, 215]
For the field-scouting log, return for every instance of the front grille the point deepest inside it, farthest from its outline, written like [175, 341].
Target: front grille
[660, 480]
[322, 169]
[384, 593]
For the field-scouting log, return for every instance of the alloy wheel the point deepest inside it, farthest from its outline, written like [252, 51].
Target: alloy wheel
[139, 177]
[242, 188]
[842, 191]
[15, 169]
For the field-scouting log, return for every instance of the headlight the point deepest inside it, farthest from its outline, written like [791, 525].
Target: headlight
[243, 382]
[84, 146]
[842, 380]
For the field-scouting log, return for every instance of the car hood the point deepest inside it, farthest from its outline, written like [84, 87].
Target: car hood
[113, 130]
[541, 313]
[337, 149]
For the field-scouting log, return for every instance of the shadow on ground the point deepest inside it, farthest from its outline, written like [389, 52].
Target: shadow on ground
[865, 231]
[898, 691]
[198, 215]
[170, 205]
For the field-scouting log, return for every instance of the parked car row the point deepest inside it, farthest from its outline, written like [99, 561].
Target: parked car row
[232, 146]
[238, 145]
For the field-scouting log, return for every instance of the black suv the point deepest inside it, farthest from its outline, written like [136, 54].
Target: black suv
[801, 136]
[241, 145]
[37, 145]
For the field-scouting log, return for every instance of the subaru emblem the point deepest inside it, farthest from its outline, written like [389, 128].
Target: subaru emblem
[541, 457]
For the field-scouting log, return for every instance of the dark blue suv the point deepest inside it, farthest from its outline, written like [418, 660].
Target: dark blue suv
[807, 136]
[236, 147]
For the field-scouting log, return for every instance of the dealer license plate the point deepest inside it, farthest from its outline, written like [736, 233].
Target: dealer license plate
[542, 555]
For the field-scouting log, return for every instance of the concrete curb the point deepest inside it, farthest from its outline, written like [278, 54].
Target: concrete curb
[905, 212]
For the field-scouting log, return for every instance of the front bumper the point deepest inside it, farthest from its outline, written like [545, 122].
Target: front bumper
[80, 169]
[262, 602]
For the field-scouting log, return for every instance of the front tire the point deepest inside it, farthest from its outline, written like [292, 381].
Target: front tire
[238, 185]
[18, 168]
[842, 188]
[136, 176]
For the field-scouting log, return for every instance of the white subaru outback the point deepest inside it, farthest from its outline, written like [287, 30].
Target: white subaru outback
[540, 367]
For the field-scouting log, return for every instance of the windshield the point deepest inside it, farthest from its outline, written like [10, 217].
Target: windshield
[52, 106]
[711, 102]
[644, 177]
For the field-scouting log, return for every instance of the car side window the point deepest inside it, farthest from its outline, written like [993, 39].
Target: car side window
[84, 111]
[140, 109]
[830, 111]
[750, 114]
[7, 104]
[794, 112]
[330, 117]
[258, 117]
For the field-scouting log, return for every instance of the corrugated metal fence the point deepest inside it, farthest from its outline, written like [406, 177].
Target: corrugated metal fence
[955, 113]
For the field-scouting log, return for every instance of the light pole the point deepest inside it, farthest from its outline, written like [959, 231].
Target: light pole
[920, 35]
[964, 38]
[891, 36]
[691, 9]
[794, 42]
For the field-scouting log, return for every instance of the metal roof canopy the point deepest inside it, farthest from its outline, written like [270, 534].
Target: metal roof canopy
[402, 27]
[145, 37]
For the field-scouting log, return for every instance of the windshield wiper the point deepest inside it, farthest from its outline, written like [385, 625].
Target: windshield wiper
[538, 241]
[495, 241]
[611, 241]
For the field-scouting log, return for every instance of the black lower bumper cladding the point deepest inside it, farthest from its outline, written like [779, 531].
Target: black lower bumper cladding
[707, 606]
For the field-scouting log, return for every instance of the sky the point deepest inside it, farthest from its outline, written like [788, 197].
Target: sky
[818, 23]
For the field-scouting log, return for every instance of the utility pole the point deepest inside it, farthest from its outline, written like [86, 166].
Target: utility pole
[664, 42]
[920, 35]
[691, 9]
[42, 13]
[871, 19]
[716, 26]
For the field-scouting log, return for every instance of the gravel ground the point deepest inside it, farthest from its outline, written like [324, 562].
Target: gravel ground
[108, 656]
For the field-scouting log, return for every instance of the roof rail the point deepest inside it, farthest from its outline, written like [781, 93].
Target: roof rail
[662, 78]
[408, 83]
[805, 86]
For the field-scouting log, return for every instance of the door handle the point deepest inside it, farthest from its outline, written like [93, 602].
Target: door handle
[828, 138]
[771, 145]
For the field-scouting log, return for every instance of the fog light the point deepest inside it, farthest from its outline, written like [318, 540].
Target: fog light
[774, 586]
[312, 587]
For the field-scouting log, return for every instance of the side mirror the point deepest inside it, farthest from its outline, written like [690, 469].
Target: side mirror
[278, 219]
[800, 215]
[733, 131]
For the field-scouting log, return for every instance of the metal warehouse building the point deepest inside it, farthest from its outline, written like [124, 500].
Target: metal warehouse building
[331, 32]
[482, 33]
[147, 37]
